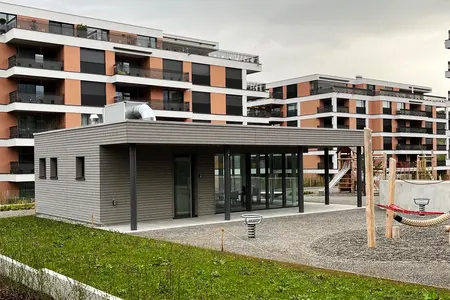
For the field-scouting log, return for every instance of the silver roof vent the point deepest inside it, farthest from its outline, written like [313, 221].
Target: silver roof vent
[128, 110]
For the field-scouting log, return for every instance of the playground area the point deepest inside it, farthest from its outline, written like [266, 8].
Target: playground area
[331, 240]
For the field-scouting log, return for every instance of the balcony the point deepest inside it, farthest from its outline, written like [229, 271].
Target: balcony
[325, 126]
[120, 69]
[47, 64]
[412, 112]
[410, 96]
[260, 113]
[441, 163]
[410, 147]
[21, 168]
[33, 98]
[168, 105]
[342, 126]
[81, 31]
[324, 109]
[134, 99]
[440, 114]
[16, 132]
[440, 131]
[441, 147]
[343, 90]
[412, 129]
[256, 86]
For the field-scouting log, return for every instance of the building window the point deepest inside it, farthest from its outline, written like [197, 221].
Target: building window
[146, 41]
[387, 107]
[360, 123]
[172, 69]
[60, 28]
[234, 105]
[92, 61]
[401, 105]
[93, 94]
[201, 103]
[53, 168]
[291, 124]
[277, 92]
[201, 74]
[387, 143]
[429, 127]
[79, 168]
[42, 168]
[291, 91]
[387, 125]
[429, 144]
[429, 111]
[292, 110]
[233, 78]
[85, 119]
[95, 34]
[360, 106]
[371, 87]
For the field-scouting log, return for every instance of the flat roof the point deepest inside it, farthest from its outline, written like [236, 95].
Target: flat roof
[184, 133]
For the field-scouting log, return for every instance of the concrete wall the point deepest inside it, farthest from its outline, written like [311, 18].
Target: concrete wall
[405, 192]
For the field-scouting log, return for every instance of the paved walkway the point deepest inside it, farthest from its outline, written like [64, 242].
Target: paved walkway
[310, 208]
[16, 213]
[290, 239]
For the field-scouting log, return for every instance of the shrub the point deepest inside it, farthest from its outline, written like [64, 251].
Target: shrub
[9, 207]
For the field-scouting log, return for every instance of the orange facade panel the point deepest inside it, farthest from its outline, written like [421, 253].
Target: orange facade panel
[71, 120]
[218, 75]
[110, 61]
[218, 104]
[303, 89]
[71, 59]
[156, 63]
[110, 93]
[6, 51]
[311, 123]
[8, 155]
[6, 120]
[309, 107]
[72, 92]
[187, 68]
[6, 87]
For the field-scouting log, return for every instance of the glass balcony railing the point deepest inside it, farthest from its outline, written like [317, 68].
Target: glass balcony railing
[47, 64]
[120, 69]
[441, 147]
[169, 105]
[412, 112]
[342, 126]
[21, 168]
[16, 132]
[324, 109]
[134, 99]
[410, 147]
[414, 130]
[256, 86]
[81, 31]
[16, 96]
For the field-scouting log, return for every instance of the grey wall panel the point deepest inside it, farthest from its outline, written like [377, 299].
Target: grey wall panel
[205, 184]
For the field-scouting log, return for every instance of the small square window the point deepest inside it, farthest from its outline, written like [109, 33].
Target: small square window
[53, 168]
[42, 169]
[80, 168]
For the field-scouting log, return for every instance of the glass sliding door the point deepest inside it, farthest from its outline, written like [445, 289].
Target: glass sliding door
[182, 187]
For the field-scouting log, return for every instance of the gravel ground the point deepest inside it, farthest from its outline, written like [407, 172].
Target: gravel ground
[16, 213]
[333, 240]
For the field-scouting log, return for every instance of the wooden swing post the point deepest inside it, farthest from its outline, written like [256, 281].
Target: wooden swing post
[370, 209]
[391, 195]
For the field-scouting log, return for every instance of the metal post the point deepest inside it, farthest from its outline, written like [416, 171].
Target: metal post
[258, 175]
[133, 195]
[227, 181]
[272, 178]
[359, 185]
[301, 199]
[283, 178]
[327, 176]
[248, 182]
[267, 192]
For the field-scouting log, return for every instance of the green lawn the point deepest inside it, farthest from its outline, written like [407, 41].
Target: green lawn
[137, 268]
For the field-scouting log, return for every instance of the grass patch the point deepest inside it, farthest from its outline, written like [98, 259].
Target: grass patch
[23, 206]
[138, 268]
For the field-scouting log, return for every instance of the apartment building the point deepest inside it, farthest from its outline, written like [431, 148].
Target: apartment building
[406, 120]
[57, 69]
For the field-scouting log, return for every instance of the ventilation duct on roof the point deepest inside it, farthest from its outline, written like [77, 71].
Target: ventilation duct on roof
[128, 110]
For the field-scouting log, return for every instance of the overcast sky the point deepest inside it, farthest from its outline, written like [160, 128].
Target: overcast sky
[396, 40]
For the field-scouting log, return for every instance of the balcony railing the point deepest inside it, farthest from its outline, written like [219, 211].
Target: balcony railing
[441, 163]
[411, 112]
[442, 147]
[409, 147]
[33, 98]
[440, 115]
[440, 131]
[264, 113]
[411, 96]
[412, 129]
[16, 132]
[276, 95]
[168, 105]
[21, 168]
[325, 126]
[342, 126]
[324, 109]
[120, 69]
[256, 86]
[122, 98]
[48, 64]
[132, 39]
[343, 90]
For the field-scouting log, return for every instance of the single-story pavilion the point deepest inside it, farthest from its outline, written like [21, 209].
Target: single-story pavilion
[136, 170]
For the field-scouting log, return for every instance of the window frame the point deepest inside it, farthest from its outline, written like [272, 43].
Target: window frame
[42, 168]
[80, 168]
[54, 168]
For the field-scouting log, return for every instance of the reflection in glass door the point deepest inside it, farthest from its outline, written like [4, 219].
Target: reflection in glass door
[182, 187]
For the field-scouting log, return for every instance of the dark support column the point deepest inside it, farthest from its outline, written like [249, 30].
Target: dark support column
[283, 178]
[227, 181]
[301, 199]
[359, 185]
[248, 182]
[133, 196]
[327, 176]
[258, 175]
[267, 191]
[272, 177]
